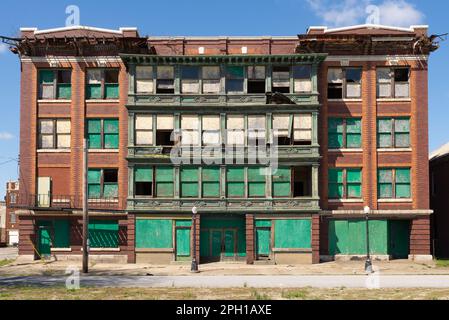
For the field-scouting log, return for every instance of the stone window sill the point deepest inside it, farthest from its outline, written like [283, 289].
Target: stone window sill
[103, 249]
[102, 101]
[54, 101]
[53, 151]
[345, 100]
[61, 249]
[103, 150]
[394, 150]
[394, 99]
[345, 200]
[394, 200]
[346, 150]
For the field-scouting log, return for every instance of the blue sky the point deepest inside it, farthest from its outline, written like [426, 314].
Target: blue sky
[210, 17]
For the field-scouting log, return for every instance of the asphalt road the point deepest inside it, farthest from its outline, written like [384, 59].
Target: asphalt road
[352, 281]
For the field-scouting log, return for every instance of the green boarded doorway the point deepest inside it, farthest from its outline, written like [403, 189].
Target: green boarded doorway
[263, 239]
[399, 239]
[183, 230]
[222, 239]
[45, 242]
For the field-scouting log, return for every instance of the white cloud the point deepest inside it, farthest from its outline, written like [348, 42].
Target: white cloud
[351, 12]
[6, 136]
[3, 47]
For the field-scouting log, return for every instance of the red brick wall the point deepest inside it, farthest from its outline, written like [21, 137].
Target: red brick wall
[250, 254]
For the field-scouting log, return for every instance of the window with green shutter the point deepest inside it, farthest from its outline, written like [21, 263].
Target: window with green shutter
[336, 185]
[282, 182]
[345, 133]
[55, 84]
[354, 183]
[256, 182]
[143, 181]
[393, 133]
[211, 182]
[103, 133]
[164, 181]
[103, 233]
[235, 182]
[102, 183]
[189, 182]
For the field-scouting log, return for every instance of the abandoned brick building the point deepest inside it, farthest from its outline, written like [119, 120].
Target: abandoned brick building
[348, 108]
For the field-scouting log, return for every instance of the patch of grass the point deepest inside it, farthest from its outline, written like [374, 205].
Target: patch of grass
[5, 262]
[443, 263]
[295, 295]
[259, 296]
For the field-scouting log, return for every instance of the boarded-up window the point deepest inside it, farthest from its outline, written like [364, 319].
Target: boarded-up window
[55, 84]
[154, 234]
[256, 130]
[144, 79]
[282, 125]
[103, 233]
[234, 79]
[393, 82]
[211, 79]
[190, 130]
[235, 182]
[102, 183]
[335, 185]
[103, 133]
[189, 182]
[402, 179]
[401, 83]
[385, 183]
[190, 79]
[54, 134]
[256, 79]
[384, 82]
[144, 129]
[165, 79]
[102, 84]
[353, 82]
[164, 182]
[143, 181]
[164, 130]
[302, 76]
[394, 183]
[344, 133]
[302, 129]
[256, 182]
[293, 234]
[393, 133]
[235, 126]
[211, 130]
[211, 182]
[281, 79]
[282, 180]
[335, 83]
[345, 183]
[353, 183]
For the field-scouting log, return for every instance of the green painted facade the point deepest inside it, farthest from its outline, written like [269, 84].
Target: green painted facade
[293, 234]
[103, 233]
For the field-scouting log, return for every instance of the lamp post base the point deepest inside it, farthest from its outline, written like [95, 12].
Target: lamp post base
[368, 266]
[194, 267]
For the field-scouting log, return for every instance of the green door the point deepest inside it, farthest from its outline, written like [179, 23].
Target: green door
[182, 242]
[205, 243]
[263, 236]
[44, 241]
[229, 243]
[216, 241]
[399, 239]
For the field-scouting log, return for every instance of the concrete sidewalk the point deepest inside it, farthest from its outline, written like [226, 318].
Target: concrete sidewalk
[376, 281]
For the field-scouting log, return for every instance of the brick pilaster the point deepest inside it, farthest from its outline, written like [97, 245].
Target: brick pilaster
[420, 236]
[315, 239]
[131, 238]
[196, 242]
[250, 255]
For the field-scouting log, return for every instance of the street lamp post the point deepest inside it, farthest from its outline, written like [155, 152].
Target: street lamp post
[194, 267]
[368, 263]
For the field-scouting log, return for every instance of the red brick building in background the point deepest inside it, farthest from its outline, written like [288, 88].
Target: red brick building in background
[350, 104]
[10, 235]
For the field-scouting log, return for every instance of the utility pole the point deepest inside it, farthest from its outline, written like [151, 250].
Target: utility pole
[85, 211]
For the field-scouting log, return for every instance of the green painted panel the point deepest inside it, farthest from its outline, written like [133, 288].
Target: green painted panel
[236, 189]
[164, 182]
[154, 234]
[111, 126]
[292, 234]
[189, 182]
[183, 223]
[94, 141]
[357, 237]
[143, 174]
[211, 182]
[256, 189]
[182, 242]
[93, 91]
[229, 243]
[44, 240]
[103, 233]
[205, 243]
[111, 141]
[94, 176]
[46, 76]
[235, 174]
[378, 236]
[336, 140]
[353, 140]
[94, 191]
[216, 243]
[222, 224]
[353, 133]
[62, 234]
[282, 182]
[399, 234]
[164, 174]
[211, 174]
[263, 237]
[110, 190]
[263, 223]
[64, 91]
[234, 72]
[94, 126]
[111, 91]
[338, 237]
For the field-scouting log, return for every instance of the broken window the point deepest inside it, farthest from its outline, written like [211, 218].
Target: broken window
[55, 84]
[256, 130]
[345, 183]
[393, 82]
[190, 130]
[235, 76]
[235, 182]
[302, 182]
[211, 79]
[165, 82]
[190, 79]
[144, 129]
[302, 76]
[211, 130]
[353, 78]
[103, 133]
[256, 79]
[393, 133]
[335, 83]
[143, 181]
[256, 182]
[281, 79]
[394, 183]
[144, 79]
[164, 130]
[189, 182]
[235, 128]
[344, 133]
[344, 83]
[211, 182]
[282, 128]
[102, 183]
[102, 84]
[302, 129]
[54, 134]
